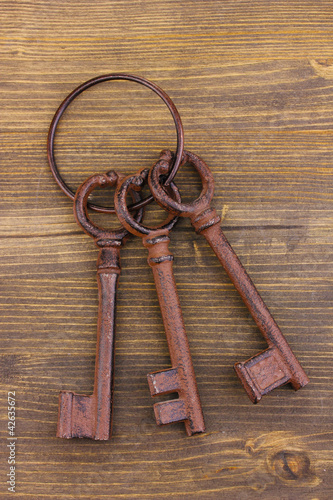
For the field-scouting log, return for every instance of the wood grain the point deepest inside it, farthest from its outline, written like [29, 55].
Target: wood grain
[253, 84]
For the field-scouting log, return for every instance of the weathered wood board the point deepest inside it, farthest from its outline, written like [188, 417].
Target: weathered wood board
[253, 84]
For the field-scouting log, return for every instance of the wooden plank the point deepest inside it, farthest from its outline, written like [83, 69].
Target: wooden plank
[253, 84]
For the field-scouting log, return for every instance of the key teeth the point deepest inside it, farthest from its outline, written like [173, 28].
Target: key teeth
[169, 412]
[262, 373]
[77, 417]
[248, 383]
[163, 382]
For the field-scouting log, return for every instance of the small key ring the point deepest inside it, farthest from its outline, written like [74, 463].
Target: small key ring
[81, 88]
[102, 237]
[162, 197]
[136, 182]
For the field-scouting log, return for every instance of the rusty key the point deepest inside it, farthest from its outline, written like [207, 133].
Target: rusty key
[274, 366]
[180, 377]
[91, 416]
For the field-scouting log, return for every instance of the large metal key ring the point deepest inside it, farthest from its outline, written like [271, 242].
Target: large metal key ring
[94, 81]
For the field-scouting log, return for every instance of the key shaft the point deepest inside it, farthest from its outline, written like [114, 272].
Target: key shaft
[91, 416]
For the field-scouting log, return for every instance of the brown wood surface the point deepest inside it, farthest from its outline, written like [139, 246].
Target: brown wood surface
[252, 81]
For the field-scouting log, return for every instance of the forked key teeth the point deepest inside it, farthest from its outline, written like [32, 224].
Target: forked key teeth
[167, 382]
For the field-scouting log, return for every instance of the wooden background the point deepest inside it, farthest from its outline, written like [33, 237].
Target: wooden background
[252, 81]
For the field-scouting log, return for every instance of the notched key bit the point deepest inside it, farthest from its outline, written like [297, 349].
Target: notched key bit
[81, 415]
[180, 378]
[275, 366]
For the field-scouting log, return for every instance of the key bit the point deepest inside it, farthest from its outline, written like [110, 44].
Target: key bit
[275, 366]
[90, 416]
[264, 372]
[181, 377]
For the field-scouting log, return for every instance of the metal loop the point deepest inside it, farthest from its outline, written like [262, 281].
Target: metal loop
[166, 201]
[100, 235]
[136, 182]
[94, 81]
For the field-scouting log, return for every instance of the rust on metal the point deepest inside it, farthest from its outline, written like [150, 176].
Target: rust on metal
[90, 83]
[180, 378]
[275, 366]
[81, 415]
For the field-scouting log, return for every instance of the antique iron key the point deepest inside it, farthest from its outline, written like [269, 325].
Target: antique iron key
[91, 416]
[274, 366]
[180, 378]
